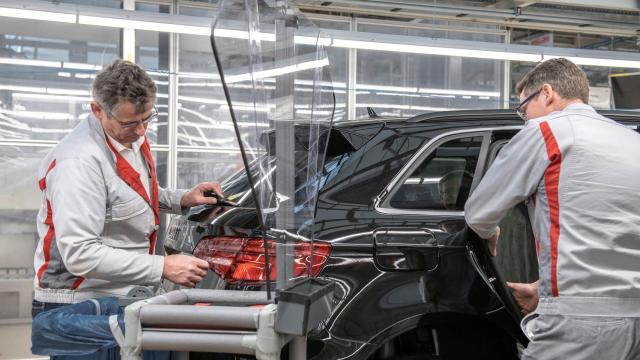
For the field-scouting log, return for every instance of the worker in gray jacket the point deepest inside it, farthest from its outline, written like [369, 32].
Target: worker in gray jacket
[579, 174]
[100, 204]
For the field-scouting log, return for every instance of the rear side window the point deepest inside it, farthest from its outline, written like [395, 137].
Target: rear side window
[443, 180]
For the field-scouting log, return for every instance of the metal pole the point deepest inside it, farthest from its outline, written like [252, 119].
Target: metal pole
[193, 341]
[506, 75]
[200, 317]
[285, 143]
[298, 348]
[172, 119]
[351, 75]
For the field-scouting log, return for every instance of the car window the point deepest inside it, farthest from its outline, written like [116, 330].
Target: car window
[516, 251]
[443, 180]
[237, 185]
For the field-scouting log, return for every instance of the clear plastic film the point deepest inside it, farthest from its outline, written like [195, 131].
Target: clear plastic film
[275, 71]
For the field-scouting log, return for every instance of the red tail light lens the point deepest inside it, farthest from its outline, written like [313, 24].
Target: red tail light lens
[238, 259]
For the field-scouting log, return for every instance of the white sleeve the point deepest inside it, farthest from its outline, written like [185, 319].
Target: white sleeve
[78, 196]
[512, 178]
[170, 200]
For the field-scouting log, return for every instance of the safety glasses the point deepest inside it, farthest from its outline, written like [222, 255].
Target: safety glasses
[521, 110]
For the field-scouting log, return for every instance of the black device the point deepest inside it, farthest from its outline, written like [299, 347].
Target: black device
[221, 200]
[625, 89]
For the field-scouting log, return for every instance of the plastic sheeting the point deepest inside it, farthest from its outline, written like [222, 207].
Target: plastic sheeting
[275, 73]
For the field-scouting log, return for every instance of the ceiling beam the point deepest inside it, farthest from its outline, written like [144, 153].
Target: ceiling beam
[624, 5]
[525, 18]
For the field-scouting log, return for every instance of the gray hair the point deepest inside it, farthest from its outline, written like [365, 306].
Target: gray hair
[565, 77]
[123, 81]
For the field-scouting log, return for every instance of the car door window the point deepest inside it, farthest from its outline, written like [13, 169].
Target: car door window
[516, 257]
[443, 180]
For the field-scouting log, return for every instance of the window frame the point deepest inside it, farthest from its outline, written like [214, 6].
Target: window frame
[382, 201]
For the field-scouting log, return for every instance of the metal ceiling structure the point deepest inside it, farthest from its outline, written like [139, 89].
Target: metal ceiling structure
[613, 18]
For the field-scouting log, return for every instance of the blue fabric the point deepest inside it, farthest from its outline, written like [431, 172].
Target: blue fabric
[76, 331]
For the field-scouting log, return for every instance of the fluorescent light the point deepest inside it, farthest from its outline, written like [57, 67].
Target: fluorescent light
[51, 98]
[29, 62]
[84, 76]
[38, 15]
[314, 112]
[241, 34]
[586, 61]
[404, 107]
[23, 88]
[277, 71]
[387, 88]
[51, 64]
[202, 100]
[41, 115]
[460, 92]
[142, 25]
[80, 66]
[43, 90]
[340, 39]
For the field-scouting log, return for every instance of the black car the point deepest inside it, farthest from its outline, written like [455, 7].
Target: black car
[411, 281]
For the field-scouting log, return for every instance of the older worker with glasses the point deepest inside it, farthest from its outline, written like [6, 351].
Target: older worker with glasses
[100, 201]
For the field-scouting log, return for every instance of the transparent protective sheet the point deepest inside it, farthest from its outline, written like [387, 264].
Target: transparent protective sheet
[275, 72]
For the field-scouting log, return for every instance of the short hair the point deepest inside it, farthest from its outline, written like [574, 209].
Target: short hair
[565, 77]
[123, 81]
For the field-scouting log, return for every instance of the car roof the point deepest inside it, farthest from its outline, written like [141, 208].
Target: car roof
[508, 115]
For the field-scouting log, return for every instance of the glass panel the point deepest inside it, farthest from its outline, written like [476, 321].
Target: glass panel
[399, 84]
[600, 92]
[282, 50]
[44, 101]
[197, 167]
[196, 55]
[152, 53]
[116, 4]
[516, 250]
[443, 180]
[19, 202]
[339, 60]
[203, 114]
[161, 158]
[156, 8]
[206, 10]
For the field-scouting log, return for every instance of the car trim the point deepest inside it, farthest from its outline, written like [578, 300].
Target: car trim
[380, 202]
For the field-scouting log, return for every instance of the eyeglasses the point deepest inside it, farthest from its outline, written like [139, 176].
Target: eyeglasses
[135, 124]
[520, 110]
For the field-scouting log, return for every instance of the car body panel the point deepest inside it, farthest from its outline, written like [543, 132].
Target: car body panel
[441, 273]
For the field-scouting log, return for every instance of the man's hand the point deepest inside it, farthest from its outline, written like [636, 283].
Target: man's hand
[184, 270]
[492, 242]
[526, 296]
[196, 196]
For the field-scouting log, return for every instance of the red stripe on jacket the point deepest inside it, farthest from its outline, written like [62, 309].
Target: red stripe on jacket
[46, 244]
[551, 183]
[130, 176]
[50, 235]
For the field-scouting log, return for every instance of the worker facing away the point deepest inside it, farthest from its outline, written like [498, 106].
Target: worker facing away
[100, 204]
[579, 174]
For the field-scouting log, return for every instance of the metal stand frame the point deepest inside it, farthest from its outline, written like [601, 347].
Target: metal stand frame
[172, 322]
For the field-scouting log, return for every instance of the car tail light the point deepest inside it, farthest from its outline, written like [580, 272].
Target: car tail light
[239, 259]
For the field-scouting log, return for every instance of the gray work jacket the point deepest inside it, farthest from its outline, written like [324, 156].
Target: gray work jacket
[579, 174]
[95, 230]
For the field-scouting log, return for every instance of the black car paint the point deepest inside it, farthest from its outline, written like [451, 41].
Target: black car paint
[373, 305]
